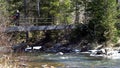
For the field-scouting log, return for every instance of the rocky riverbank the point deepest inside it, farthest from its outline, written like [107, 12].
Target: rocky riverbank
[5, 49]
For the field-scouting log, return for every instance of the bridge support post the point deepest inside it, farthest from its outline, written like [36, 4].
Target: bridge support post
[27, 36]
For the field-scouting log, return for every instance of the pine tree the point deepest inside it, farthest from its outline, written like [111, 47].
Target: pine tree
[102, 19]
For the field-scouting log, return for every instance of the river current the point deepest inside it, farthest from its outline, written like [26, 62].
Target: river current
[71, 60]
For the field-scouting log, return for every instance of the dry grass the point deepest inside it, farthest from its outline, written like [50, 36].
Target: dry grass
[5, 63]
[5, 43]
[4, 37]
[5, 60]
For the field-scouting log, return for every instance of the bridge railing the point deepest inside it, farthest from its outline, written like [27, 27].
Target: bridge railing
[25, 24]
[35, 21]
[32, 21]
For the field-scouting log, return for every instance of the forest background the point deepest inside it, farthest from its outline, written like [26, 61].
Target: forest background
[97, 21]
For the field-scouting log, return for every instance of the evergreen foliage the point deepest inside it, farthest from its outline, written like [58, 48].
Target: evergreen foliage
[101, 15]
[103, 18]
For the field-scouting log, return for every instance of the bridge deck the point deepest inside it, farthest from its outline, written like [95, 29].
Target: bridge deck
[38, 28]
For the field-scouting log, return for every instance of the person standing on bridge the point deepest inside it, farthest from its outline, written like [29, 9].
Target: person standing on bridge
[16, 18]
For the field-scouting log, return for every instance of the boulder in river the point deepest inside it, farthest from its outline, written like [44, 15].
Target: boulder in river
[59, 48]
[19, 47]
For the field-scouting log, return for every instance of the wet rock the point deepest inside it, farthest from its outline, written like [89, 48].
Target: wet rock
[65, 50]
[60, 53]
[76, 50]
[58, 47]
[19, 47]
[54, 49]
[84, 49]
[51, 50]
